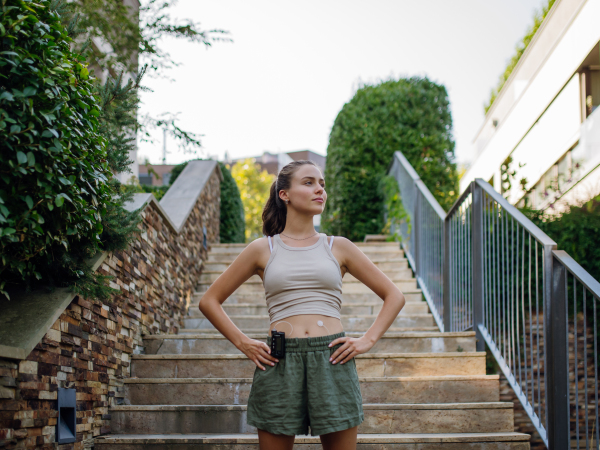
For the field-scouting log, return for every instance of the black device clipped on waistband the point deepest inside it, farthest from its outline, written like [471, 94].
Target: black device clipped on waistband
[277, 343]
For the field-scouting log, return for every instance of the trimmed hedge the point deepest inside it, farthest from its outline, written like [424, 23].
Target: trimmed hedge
[411, 115]
[232, 228]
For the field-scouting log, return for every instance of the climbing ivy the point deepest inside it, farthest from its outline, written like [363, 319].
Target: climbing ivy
[59, 203]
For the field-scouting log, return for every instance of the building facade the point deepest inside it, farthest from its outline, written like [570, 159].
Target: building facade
[540, 140]
[274, 162]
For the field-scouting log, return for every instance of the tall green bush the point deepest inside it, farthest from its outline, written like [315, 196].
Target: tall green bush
[59, 203]
[411, 115]
[232, 226]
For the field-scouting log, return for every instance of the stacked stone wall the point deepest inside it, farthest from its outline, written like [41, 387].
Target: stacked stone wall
[577, 397]
[89, 347]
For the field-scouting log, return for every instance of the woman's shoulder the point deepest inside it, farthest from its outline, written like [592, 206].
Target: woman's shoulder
[338, 240]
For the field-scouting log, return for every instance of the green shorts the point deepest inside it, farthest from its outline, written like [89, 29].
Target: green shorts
[305, 389]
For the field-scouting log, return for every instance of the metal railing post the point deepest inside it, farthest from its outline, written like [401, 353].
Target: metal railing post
[557, 354]
[416, 228]
[446, 275]
[477, 262]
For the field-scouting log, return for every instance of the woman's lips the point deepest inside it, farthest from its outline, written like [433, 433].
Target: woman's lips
[318, 200]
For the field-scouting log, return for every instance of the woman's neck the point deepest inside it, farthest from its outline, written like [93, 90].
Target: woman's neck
[299, 226]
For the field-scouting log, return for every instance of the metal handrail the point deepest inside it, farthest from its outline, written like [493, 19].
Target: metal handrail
[589, 282]
[485, 266]
[532, 228]
[430, 199]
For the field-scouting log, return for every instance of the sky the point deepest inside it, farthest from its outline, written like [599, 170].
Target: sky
[292, 65]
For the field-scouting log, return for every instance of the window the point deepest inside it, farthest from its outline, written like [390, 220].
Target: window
[589, 75]
[145, 178]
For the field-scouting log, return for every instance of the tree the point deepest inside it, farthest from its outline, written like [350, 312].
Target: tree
[411, 115]
[132, 39]
[254, 186]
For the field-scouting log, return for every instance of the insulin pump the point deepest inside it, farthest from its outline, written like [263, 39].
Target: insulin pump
[277, 343]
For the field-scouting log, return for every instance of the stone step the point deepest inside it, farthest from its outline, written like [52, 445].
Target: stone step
[398, 275]
[390, 418]
[228, 257]
[226, 391]
[184, 331]
[350, 323]
[365, 247]
[382, 265]
[367, 365]
[390, 441]
[349, 309]
[350, 287]
[410, 295]
[403, 342]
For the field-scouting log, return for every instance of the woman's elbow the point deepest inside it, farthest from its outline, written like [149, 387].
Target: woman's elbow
[202, 305]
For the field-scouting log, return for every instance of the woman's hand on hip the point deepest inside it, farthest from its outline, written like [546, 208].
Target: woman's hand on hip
[349, 349]
[258, 352]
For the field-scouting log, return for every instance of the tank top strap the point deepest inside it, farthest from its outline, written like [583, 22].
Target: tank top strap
[270, 243]
[331, 241]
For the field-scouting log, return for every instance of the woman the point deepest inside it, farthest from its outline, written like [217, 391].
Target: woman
[315, 384]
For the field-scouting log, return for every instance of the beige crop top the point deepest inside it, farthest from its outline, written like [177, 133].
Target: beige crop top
[302, 280]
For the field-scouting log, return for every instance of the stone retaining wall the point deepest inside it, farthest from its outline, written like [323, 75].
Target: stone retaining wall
[90, 346]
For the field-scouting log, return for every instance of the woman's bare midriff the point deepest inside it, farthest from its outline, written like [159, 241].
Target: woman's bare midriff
[305, 325]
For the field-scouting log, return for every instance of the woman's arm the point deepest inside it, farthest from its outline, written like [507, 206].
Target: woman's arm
[242, 268]
[364, 270]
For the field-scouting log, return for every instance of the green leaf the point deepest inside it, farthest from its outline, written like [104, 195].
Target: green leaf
[30, 159]
[59, 200]
[84, 73]
[21, 157]
[64, 181]
[6, 96]
[7, 231]
[49, 132]
[29, 202]
[29, 91]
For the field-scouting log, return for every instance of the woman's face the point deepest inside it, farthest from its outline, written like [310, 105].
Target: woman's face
[308, 187]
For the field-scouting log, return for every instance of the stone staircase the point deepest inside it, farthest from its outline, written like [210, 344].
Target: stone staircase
[421, 389]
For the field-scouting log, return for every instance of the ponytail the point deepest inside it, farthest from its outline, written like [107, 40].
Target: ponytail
[275, 211]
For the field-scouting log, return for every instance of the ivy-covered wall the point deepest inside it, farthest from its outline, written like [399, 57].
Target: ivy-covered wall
[90, 346]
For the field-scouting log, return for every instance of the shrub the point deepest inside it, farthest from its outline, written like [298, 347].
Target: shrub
[411, 115]
[59, 204]
[233, 225]
[576, 231]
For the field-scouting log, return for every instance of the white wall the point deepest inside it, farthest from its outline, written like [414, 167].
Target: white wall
[555, 72]
[555, 132]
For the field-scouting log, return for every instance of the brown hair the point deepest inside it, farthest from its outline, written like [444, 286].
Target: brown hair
[275, 212]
